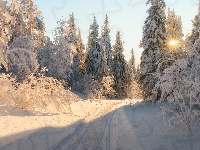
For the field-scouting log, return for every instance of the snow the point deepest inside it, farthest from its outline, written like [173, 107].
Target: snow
[97, 124]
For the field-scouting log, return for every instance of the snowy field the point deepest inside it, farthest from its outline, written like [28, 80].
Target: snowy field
[93, 125]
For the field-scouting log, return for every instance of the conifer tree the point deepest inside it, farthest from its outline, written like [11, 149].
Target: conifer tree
[29, 21]
[174, 39]
[195, 30]
[71, 37]
[96, 62]
[93, 58]
[153, 43]
[105, 37]
[80, 49]
[132, 63]
[104, 69]
[61, 61]
[97, 74]
[120, 68]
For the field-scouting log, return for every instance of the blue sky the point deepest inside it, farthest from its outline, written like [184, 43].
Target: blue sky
[126, 16]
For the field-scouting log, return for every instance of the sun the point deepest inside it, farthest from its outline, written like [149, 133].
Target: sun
[173, 44]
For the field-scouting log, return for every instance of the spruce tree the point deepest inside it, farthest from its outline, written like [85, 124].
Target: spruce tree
[93, 58]
[80, 49]
[96, 62]
[153, 43]
[174, 39]
[132, 63]
[195, 30]
[61, 54]
[73, 39]
[105, 37]
[120, 68]
[29, 21]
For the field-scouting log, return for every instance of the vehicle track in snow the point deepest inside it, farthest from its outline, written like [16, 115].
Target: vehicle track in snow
[99, 143]
[84, 133]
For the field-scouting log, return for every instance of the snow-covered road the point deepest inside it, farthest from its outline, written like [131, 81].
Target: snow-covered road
[110, 131]
[96, 125]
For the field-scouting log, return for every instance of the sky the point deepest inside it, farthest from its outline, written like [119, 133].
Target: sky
[126, 16]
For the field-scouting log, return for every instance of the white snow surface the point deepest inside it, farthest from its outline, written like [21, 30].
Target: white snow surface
[93, 125]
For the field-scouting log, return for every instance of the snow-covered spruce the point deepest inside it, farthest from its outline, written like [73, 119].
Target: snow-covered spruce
[131, 63]
[134, 91]
[61, 54]
[81, 51]
[120, 68]
[32, 26]
[195, 30]
[96, 68]
[153, 43]
[105, 38]
[72, 39]
[95, 57]
[174, 39]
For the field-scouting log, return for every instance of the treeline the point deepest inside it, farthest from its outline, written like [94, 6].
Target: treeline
[96, 69]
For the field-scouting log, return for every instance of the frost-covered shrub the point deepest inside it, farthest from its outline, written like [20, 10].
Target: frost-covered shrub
[94, 89]
[20, 58]
[60, 63]
[21, 62]
[106, 87]
[88, 86]
[180, 88]
[61, 54]
[134, 90]
[25, 42]
[5, 31]
[44, 94]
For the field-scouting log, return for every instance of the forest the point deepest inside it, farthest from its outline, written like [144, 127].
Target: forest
[48, 75]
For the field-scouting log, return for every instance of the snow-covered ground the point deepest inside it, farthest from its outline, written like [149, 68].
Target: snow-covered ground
[93, 125]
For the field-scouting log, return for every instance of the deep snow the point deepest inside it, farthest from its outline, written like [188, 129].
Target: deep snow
[93, 125]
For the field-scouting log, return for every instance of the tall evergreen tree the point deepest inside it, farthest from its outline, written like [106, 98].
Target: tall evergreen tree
[153, 43]
[174, 39]
[80, 49]
[132, 63]
[120, 68]
[29, 21]
[61, 61]
[105, 37]
[72, 30]
[195, 30]
[96, 63]
[72, 38]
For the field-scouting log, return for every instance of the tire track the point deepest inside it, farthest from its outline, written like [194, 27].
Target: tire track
[93, 125]
[106, 126]
[108, 137]
[114, 130]
[74, 140]
[75, 145]
[65, 140]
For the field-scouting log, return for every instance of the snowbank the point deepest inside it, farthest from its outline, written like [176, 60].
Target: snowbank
[36, 94]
